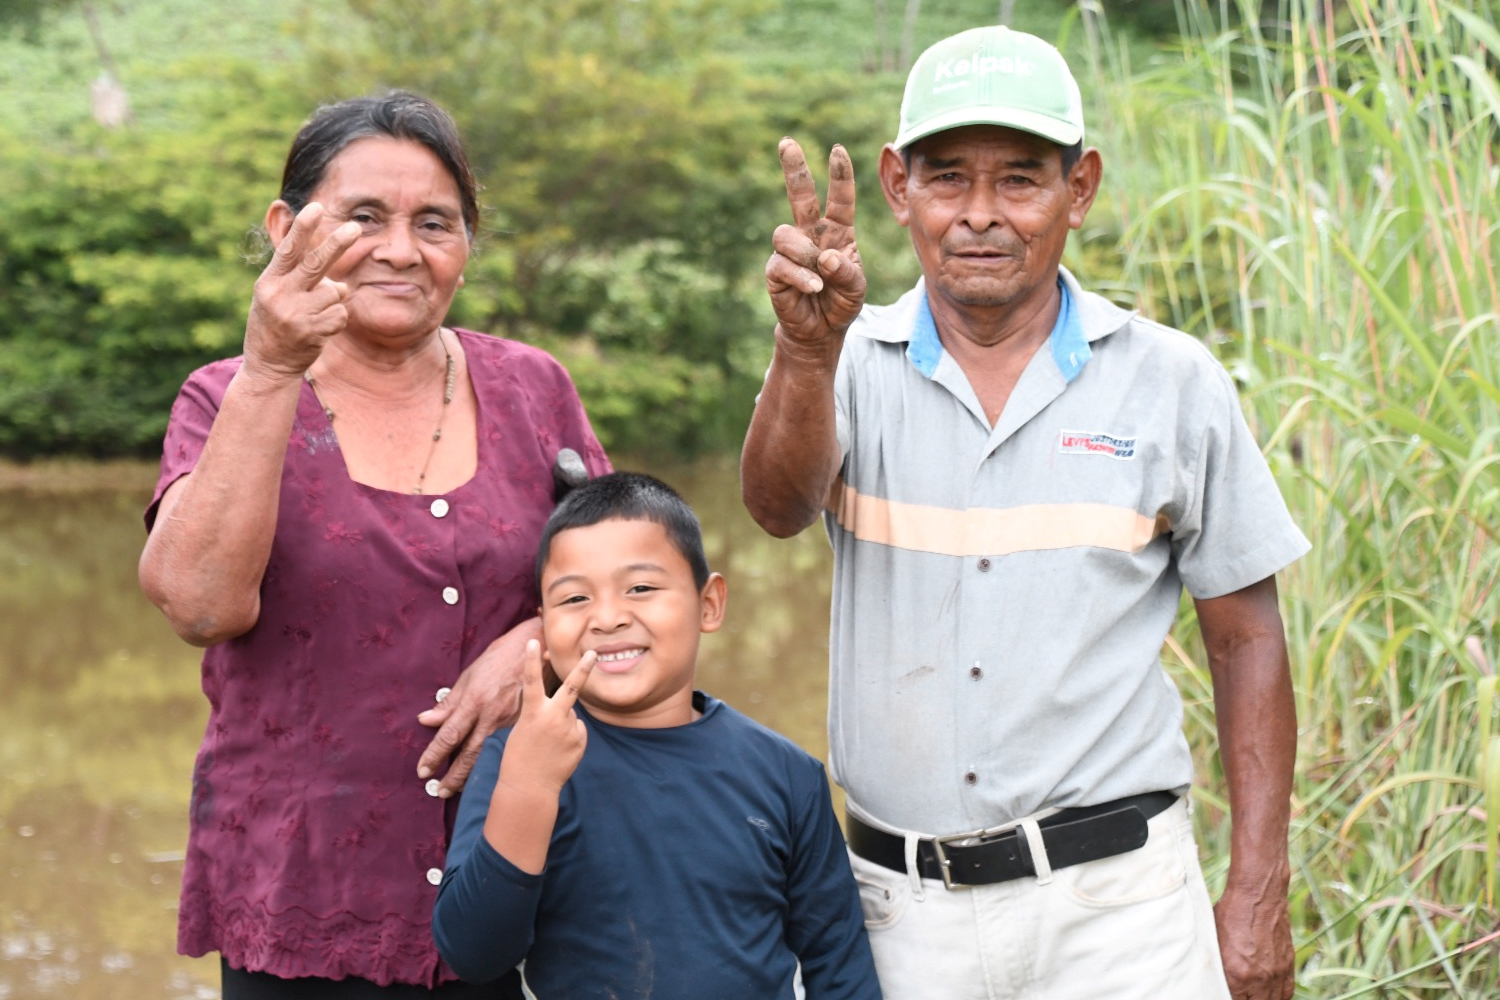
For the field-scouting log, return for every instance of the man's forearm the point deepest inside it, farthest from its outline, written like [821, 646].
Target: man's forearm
[1257, 728]
[791, 453]
[1257, 725]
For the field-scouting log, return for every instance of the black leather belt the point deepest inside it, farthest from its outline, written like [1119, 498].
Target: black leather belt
[1071, 837]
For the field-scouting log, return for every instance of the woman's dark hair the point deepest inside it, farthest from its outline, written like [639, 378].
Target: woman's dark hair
[629, 496]
[397, 115]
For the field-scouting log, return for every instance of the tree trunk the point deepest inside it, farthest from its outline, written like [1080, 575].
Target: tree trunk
[108, 100]
[909, 30]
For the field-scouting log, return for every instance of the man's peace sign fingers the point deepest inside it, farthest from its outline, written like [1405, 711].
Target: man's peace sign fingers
[815, 278]
[801, 192]
[840, 189]
[795, 263]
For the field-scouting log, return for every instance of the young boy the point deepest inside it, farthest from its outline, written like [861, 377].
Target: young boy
[654, 842]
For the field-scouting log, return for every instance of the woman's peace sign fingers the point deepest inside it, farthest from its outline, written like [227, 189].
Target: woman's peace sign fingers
[297, 306]
[297, 252]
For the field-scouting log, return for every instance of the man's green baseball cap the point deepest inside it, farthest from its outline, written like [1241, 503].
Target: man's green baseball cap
[991, 76]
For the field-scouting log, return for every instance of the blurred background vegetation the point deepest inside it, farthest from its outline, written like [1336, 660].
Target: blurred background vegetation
[627, 152]
[1307, 185]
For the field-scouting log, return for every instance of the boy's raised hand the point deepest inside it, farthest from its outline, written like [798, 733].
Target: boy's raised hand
[548, 740]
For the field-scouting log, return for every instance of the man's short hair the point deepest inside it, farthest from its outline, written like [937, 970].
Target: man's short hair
[629, 496]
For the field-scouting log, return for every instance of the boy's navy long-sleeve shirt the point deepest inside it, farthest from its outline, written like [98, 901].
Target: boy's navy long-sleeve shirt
[702, 861]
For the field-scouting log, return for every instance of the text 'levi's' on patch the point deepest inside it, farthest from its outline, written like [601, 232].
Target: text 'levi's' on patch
[1091, 443]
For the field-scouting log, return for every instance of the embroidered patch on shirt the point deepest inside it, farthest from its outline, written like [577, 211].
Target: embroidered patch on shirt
[1092, 443]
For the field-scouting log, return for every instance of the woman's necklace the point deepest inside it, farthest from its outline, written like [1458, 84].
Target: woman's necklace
[437, 432]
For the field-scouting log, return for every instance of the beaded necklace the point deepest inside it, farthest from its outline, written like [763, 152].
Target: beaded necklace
[437, 432]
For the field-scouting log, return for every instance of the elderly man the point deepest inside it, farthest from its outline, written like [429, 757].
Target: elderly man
[1018, 478]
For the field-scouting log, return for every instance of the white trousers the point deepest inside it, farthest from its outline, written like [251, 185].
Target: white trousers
[1137, 926]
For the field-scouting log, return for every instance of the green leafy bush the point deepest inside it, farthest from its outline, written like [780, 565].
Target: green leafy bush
[121, 271]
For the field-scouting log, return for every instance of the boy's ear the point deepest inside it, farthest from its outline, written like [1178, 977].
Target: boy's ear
[715, 597]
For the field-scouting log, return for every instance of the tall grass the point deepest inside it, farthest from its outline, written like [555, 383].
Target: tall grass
[1311, 187]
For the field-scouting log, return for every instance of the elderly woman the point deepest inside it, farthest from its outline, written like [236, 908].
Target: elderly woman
[347, 517]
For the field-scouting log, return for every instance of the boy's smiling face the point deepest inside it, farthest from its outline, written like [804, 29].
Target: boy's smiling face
[623, 590]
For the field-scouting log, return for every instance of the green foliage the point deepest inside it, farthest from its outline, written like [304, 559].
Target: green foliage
[625, 234]
[1318, 200]
[24, 17]
[627, 152]
[120, 271]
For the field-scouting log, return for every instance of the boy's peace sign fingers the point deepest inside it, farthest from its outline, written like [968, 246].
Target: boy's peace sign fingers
[567, 693]
[548, 739]
[533, 688]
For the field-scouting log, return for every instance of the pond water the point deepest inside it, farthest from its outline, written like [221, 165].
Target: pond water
[100, 716]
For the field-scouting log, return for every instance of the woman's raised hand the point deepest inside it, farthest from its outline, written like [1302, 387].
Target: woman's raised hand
[815, 279]
[296, 305]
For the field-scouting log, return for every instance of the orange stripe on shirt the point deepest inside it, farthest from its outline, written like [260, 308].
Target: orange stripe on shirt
[991, 531]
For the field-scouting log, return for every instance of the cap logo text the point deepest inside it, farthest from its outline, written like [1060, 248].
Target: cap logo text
[976, 65]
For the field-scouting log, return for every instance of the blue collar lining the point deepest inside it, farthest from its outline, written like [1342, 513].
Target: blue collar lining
[1070, 348]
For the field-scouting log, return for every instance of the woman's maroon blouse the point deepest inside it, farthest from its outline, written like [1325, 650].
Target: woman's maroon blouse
[314, 849]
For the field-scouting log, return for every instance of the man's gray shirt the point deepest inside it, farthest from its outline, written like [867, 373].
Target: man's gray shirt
[1001, 594]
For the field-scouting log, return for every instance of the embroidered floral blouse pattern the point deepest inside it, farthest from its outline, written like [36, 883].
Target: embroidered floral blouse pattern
[313, 848]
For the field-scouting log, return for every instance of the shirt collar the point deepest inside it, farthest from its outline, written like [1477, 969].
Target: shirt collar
[1070, 348]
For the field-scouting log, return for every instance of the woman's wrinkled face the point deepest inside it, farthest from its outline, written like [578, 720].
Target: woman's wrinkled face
[409, 260]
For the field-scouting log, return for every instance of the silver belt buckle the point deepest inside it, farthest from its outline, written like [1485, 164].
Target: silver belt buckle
[939, 848]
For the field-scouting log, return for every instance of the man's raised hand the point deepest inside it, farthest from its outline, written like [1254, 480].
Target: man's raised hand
[296, 305]
[547, 743]
[815, 279]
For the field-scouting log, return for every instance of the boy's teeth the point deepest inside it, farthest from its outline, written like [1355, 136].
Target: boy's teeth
[627, 654]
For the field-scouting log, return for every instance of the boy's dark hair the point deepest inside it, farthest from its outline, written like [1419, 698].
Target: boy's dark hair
[629, 496]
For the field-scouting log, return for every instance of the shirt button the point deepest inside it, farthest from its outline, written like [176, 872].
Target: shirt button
[435, 876]
[441, 694]
[450, 595]
[433, 786]
[984, 565]
[439, 507]
[975, 672]
[971, 778]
